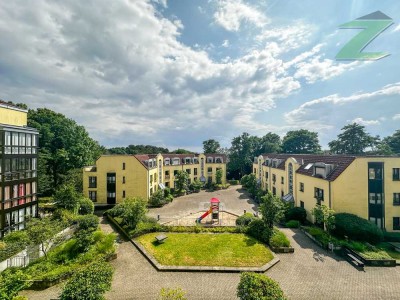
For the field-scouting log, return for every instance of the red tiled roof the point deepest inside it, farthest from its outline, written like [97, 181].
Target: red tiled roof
[341, 162]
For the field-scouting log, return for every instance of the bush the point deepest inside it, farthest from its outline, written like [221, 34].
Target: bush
[88, 223]
[293, 224]
[357, 228]
[296, 213]
[89, 284]
[259, 231]
[12, 281]
[233, 182]
[65, 216]
[245, 219]
[278, 239]
[254, 286]
[157, 199]
[86, 206]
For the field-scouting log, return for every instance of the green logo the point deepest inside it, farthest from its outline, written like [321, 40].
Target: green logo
[373, 25]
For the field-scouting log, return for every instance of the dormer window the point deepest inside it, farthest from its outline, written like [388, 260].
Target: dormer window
[167, 161]
[188, 160]
[176, 161]
[322, 170]
[210, 160]
[218, 160]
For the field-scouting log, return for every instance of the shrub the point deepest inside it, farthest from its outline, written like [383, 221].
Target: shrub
[254, 286]
[278, 239]
[88, 223]
[259, 231]
[89, 284]
[12, 281]
[66, 197]
[131, 211]
[233, 182]
[293, 224]
[145, 227]
[157, 199]
[65, 216]
[357, 228]
[86, 206]
[296, 213]
[245, 219]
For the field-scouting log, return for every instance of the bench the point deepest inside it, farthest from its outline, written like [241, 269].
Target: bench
[355, 260]
[161, 238]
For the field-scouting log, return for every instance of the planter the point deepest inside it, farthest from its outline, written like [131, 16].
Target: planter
[282, 249]
[372, 262]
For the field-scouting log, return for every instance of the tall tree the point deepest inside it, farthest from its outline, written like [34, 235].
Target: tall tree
[393, 142]
[301, 141]
[64, 145]
[269, 143]
[353, 140]
[211, 146]
[241, 155]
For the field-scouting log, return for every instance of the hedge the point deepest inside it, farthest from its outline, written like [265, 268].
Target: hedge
[244, 220]
[254, 286]
[356, 228]
[292, 224]
[296, 213]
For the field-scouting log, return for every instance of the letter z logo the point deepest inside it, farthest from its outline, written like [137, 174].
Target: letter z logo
[373, 24]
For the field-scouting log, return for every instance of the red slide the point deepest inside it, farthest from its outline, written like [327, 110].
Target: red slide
[204, 215]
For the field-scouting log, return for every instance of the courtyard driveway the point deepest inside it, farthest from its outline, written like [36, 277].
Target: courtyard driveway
[309, 273]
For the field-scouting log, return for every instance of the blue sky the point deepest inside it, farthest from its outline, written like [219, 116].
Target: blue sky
[173, 73]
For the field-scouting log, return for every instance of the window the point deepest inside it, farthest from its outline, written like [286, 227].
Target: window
[319, 194]
[93, 196]
[123, 166]
[396, 223]
[151, 178]
[123, 194]
[266, 175]
[209, 169]
[282, 194]
[396, 198]
[123, 179]
[151, 191]
[166, 162]
[92, 182]
[273, 178]
[110, 177]
[375, 173]
[396, 173]
[375, 198]
[302, 204]
[195, 171]
[301, 187]
[188, 171]
[255, 171]
[274, 191]
[282, 180]
[166, 175]
[175, 172]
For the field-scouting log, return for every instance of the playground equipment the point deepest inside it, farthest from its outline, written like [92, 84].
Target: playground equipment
[214, 210]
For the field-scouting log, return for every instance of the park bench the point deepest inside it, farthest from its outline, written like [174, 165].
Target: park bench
[161, 238]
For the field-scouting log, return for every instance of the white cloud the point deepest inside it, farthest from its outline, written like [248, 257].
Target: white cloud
[231, 14]
[225, 43]
[396, 117]
[361, 121]
[317, 68]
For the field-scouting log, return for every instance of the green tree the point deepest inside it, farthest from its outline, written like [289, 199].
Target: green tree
[301, 141]
[157, 199]
[269, 143]
[324, 215]
[254, 286]
[181, 181]
[91, 283]
[272, 210]
[393, 142]
[353, 140]
[66, 197]
[211, 146]
[249, 182]
[181, 151]
[64, 145]
[241, 154]
[132, 211]
[218, 176]
[196, 186]
[172, 294]
[43, 232]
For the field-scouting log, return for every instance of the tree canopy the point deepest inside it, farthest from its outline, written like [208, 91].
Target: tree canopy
[137, 149]
[353, 140]
[301, 141]
[211, 146]
[393, 142]
[64, 146]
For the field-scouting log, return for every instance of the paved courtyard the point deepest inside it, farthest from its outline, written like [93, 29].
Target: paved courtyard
[309, 273]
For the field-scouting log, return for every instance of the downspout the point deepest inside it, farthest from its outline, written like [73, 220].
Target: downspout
[330, 201]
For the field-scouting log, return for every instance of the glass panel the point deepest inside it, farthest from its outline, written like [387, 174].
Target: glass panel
[371, 173]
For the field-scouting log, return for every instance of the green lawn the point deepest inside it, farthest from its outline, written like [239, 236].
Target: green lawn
[205, 249]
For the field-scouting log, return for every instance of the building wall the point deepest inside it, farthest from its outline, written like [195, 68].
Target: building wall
[13, 116]
[136, 178]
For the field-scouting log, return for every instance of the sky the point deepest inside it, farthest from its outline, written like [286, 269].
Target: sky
[173, 73]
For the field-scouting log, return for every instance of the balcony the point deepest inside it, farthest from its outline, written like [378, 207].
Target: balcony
[167, 177]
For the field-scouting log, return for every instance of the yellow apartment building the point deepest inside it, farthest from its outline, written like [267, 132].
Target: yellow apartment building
[367, 186]
[116, 177]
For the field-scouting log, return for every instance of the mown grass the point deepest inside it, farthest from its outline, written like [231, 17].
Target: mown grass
[206, 249]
